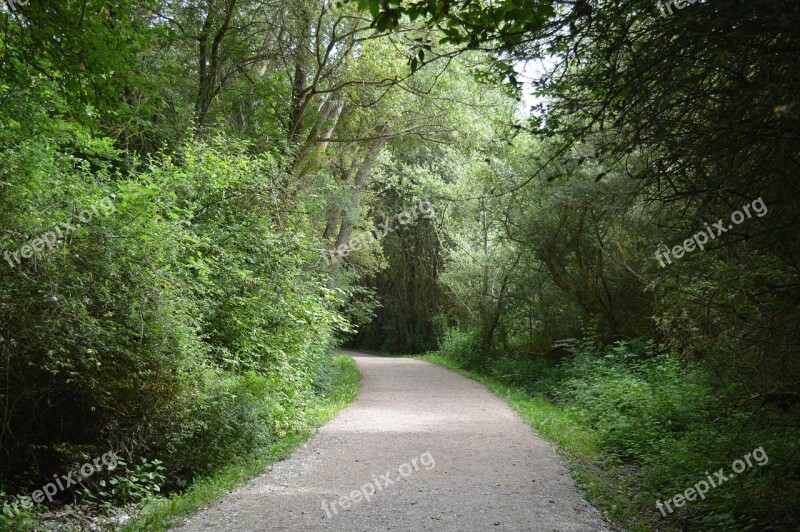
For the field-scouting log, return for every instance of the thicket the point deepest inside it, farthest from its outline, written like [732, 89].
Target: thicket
[181, 325]
[652, 427]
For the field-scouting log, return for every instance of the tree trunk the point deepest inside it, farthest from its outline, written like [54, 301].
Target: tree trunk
[346, 228]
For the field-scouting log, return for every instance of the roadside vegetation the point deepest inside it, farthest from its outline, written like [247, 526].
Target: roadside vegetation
[161, 513]
[593, 203]
[146, 507]
[637, 428]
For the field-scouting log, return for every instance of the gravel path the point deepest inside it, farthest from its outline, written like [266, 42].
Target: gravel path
[457, 457]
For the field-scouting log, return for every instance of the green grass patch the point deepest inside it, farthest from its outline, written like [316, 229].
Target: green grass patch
[162, 513]
[552, 422]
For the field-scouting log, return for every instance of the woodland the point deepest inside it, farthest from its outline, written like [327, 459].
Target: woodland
[591, 204]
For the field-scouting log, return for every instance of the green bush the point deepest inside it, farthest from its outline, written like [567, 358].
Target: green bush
[530, 373]
[181, 324]
[635, 401]
[97, 331]
[662, 423]
[662, 416]
[128, 482]
[227, 416]
[463, 347]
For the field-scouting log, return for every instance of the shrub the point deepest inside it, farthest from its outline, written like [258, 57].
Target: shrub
[463, 347]
[530, 373]
[636, 400]
[182, 326]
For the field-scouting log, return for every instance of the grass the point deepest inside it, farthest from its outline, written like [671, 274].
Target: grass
[608, 486]
[161, 513]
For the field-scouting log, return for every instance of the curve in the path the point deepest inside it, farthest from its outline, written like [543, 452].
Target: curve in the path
[457, 457]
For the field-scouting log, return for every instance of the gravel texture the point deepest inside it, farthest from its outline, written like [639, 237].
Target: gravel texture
[457, 457]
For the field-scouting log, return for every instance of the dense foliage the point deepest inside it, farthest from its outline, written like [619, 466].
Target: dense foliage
[197, 199]
[650, 200]
[178, 323]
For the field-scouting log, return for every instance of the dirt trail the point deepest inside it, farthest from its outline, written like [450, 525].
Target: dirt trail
[457, 457]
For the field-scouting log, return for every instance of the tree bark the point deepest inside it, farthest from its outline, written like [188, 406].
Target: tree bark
[346, 228]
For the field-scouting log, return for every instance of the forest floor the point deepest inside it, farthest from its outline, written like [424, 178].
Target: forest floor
[421, 448]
